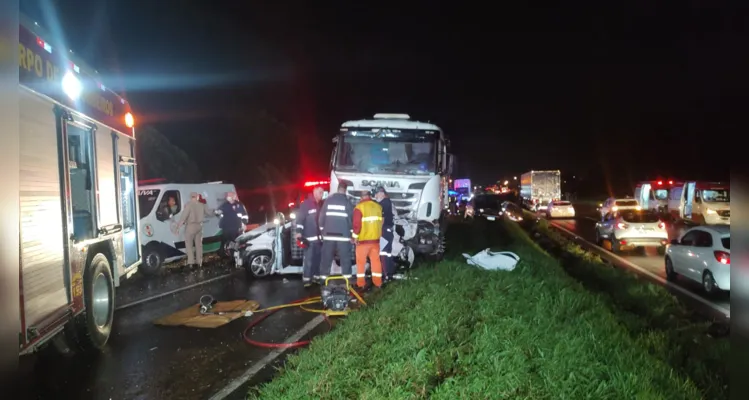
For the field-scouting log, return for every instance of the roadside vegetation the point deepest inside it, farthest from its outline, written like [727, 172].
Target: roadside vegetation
[459, 332]
[654, 318]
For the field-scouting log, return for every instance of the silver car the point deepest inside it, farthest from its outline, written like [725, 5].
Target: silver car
[631, 229]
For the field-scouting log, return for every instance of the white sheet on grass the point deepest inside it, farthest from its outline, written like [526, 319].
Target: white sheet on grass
[493, 261]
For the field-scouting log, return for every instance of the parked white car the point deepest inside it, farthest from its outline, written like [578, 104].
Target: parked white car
[560, 209]
[630, 229]
[702, 254]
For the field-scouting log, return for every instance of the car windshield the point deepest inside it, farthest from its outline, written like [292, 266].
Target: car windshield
[661, 194]
[146, 200]
[640, 216]
[388, 151]
[716, 196]
[626, 203]
[487, 201]
[561, 203]
[726, 242]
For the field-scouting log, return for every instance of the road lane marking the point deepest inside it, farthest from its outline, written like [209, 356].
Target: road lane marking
[664, 282]
[252, 371]
[180, 289]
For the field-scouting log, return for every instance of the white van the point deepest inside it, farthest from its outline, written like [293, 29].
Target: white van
[158, 220]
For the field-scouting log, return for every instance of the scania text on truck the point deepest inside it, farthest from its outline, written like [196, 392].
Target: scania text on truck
[411, 160]
[538, 188]
[78, 211]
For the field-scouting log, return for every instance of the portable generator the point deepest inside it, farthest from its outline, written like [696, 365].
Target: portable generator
[336, 295]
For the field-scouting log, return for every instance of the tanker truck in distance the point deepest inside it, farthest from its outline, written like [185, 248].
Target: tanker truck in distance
[538, 188]
[411, 160]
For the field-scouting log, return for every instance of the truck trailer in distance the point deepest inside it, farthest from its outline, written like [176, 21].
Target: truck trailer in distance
[538, 188]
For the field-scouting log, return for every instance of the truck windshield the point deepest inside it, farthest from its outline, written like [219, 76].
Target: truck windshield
[388, 151]
[146, 200]
[717, 196]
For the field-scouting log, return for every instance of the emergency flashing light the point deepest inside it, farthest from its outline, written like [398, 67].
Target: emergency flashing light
[660, 182]
[71, 86]
[129, 120]
[315, 183]
[670, 182]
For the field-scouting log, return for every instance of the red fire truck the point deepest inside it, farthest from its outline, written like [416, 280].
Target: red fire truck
[78, 214]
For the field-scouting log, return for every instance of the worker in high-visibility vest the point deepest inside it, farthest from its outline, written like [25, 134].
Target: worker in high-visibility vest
[367, 232]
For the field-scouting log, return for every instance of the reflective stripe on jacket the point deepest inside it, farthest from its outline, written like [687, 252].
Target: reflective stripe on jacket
[368, 222]
[335, 217]
[306, 218]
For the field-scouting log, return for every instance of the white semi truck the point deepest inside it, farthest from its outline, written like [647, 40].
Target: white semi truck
[538, 188]
[411, 160]
[77, 207]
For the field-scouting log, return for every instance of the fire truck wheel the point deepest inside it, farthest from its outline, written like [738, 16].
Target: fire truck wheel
[153, 260]
[93, 326]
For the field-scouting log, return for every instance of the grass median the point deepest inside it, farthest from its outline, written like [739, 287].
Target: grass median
[459, 332]
[654, 318]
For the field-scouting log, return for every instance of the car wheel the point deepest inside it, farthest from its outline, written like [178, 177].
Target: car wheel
[670, 273]
[708, 283]
[259, 264]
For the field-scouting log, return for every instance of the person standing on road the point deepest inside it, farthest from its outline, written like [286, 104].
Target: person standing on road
[388, 226]
[307, 229]
[192, 219]
[367, 233]
[233, 214]
[336, 216]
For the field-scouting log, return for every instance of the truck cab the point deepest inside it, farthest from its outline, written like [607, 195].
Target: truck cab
[410, 160]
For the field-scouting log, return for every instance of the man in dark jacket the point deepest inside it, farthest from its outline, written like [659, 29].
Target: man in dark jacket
[388, 226]
[336, 226]
[308, 230]
[233, 214]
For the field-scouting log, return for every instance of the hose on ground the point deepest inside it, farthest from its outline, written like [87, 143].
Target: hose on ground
[267, 312]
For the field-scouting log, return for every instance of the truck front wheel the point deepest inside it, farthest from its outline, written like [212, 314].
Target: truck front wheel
[91, 328]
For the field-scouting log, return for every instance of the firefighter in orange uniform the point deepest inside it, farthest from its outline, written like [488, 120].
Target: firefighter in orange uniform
[366, 234]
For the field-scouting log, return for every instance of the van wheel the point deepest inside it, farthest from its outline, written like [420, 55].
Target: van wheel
[153, 260]
[259, 264]
[90, 330]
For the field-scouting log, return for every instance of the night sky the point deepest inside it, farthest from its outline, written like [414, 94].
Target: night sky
[596, 91]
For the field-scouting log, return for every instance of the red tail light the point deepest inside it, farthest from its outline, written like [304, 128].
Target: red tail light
[662, 225]
[723, 257]
[622, 225]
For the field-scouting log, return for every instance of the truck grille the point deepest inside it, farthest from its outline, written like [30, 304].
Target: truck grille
[724, 213]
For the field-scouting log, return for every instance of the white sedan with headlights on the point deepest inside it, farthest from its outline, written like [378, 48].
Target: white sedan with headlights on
[560, 209]
[631, 229]
[702, 254]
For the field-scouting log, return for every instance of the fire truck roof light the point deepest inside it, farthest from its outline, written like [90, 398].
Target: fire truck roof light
[129, 120]
[315, 183]
[670, 182]
[71, 86]
[660, 182]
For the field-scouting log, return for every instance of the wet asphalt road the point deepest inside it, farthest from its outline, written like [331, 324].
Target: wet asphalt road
[144, 361]
[584, 226]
